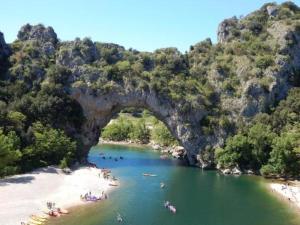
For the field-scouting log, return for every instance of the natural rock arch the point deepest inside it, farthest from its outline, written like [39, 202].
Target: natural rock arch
[219, 90]
[100, 109]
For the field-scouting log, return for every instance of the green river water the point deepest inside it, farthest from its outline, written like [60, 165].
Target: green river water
[201, 197]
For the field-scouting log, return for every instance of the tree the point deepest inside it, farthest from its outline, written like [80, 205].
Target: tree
[9, 153]
[140, 132]
[50, 147]
[285, 156]
[161, 135]
[118, 130]
[260, 138]
[236, 152]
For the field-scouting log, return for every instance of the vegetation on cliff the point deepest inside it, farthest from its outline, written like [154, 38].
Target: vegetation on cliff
[271, 143]
[222, 89]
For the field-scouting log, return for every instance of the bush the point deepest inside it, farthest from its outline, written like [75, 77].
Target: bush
[140, 132]
[117, 131]
[50, 146]
[161, 135]
[264, 62]
[9, 153]
[236, 152]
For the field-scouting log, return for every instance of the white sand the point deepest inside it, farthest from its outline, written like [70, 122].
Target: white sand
[26, 194]
[289, 192]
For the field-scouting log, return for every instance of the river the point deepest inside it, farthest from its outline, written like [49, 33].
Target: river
[201, 197]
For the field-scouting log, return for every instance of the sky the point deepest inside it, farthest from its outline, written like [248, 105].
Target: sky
[144, 25]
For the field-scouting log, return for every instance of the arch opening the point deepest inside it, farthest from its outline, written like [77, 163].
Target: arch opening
[100, 109]
[138, 126]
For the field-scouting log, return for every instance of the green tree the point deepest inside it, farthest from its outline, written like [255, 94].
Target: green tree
[50, 146]
[118, 130]
[161, 135]
[236, 152]
[285, 156]
[140, 132]
[260, 138]
[9, 153]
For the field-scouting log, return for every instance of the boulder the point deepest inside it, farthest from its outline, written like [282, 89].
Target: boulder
[236, 171]
[226, 171]
[156, 147]
[250, 172]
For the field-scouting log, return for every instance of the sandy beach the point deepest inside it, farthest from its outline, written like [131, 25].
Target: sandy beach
[27, 194]
[290, 192]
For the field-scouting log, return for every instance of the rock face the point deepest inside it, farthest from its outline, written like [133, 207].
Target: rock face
[38, 32]
[225, 27]
[272, 10]
[4, 48]
[71, 56]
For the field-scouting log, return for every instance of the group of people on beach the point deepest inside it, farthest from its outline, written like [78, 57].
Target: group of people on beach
[286, 188]
[55, 211]
[90, 197]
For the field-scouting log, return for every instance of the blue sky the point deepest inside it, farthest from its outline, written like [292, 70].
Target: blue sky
[141, 24]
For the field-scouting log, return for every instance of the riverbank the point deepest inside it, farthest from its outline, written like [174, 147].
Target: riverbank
[174, 151]
[27, 194]
[290, 192]
[127, 143]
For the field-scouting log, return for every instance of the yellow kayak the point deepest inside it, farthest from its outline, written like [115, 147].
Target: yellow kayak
[38, 218]
[36, 222]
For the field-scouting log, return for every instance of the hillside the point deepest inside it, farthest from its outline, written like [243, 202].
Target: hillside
[56, 96]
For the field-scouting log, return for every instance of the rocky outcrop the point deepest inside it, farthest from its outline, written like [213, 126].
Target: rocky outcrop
[77, 53]
[272, 10]
[225, 28]
[37, 32]
[4, 48]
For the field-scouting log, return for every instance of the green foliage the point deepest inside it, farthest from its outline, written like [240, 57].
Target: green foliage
[236, 152]
[138, 127]
[270, 144]
[140, 132]
[160, 134]
[117, 131]
[264, 61]
[9, 153]
[49, 147]
[285, 156]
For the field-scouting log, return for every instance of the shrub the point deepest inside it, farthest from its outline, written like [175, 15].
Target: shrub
[9, 153]
[264, 61]
[161, 135]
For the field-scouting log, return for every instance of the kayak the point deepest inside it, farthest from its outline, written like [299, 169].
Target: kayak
[63, 211]
[53, 213]
[119, 218]
[37, 218]
[149, 175]
[168, 205]
[36, 222]
[172, 208]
